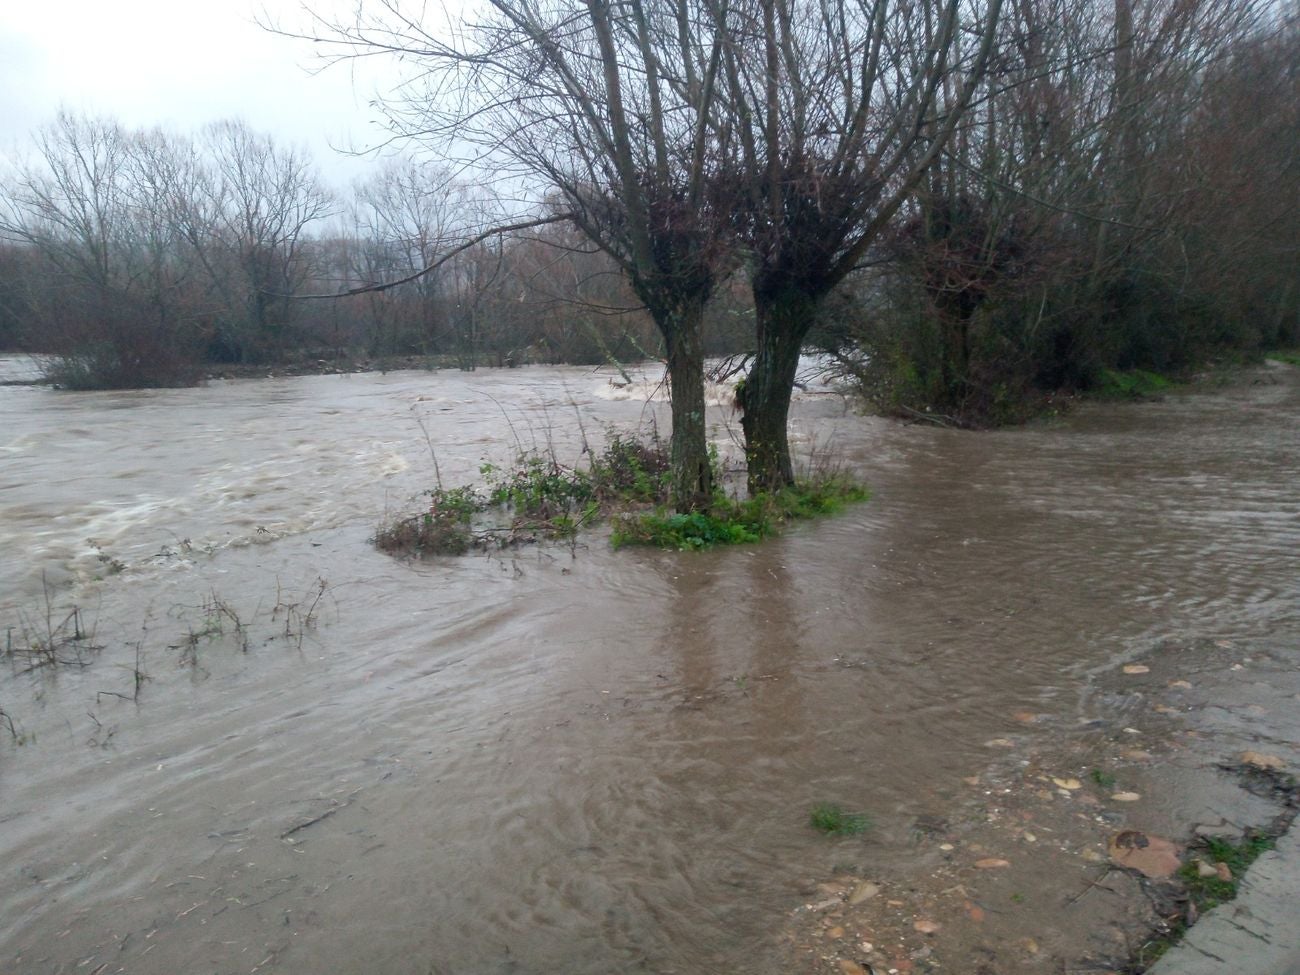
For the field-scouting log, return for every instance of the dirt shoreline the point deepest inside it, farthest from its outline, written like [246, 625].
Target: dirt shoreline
[1018, 878]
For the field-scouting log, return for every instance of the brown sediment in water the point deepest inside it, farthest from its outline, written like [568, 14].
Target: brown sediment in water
[606, 762]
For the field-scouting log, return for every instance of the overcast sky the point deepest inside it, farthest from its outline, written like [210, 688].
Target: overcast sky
[180, 64]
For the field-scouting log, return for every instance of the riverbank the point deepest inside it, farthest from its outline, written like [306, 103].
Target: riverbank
[1064, 854]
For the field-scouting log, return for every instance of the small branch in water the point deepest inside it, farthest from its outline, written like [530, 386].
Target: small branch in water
[938, 419]
[322, 817]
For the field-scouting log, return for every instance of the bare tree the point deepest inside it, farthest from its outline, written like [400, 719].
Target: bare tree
[839, 110]
[604, 107]
[113, 294]
[404, 217]
[264, 199]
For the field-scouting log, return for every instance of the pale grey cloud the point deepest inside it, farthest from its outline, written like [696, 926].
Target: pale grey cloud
[181, 65]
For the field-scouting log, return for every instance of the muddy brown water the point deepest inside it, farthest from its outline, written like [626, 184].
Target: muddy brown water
[555, 761]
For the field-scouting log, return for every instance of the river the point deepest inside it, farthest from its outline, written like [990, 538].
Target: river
[277, 749]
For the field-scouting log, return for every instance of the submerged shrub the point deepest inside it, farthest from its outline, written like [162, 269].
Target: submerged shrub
[537, 487]
[830, 819]
[444, 529]
[540, 498]
[631, 469]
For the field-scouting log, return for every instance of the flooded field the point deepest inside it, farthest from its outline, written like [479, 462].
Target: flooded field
[276, 749]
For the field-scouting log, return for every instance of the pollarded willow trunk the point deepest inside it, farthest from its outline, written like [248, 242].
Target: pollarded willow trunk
[782, 323]
[691, 471]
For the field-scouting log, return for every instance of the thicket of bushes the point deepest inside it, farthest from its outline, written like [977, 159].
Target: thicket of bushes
[1024, 267]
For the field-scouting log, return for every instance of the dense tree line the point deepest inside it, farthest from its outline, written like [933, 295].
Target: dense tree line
[146, 258]
[973, 203]
[1122, 197]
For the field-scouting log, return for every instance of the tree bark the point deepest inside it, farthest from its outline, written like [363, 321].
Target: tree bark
[782, 322]
[692, 472]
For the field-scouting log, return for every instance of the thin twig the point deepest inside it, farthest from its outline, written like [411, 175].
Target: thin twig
[369, 288]
[938, 419]
[1091, 884]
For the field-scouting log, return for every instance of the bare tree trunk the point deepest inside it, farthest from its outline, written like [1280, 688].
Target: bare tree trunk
[691, 471]
[782, 322]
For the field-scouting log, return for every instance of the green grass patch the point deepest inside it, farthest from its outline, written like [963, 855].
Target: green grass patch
[698, 529]
[730, 522]
[1131, 384]
[1289, 356]
[1204, 893]
[1102, 778]
[830, 819]
[1210, 892]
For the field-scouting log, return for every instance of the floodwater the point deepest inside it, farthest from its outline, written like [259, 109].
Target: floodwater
[549, 760]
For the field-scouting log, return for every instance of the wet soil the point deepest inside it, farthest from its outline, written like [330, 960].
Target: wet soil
[1018, 877]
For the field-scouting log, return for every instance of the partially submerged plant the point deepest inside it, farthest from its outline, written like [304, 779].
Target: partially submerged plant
[59, 638]
[540, 498]
[632, 470]
[443, 529]
[537, 487]
[537, 497]
[1103, 778]
[832, 820]
[730, 522]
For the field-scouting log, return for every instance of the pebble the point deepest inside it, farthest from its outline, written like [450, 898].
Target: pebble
[824, 905]
[864, 891]
[1260, 760]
